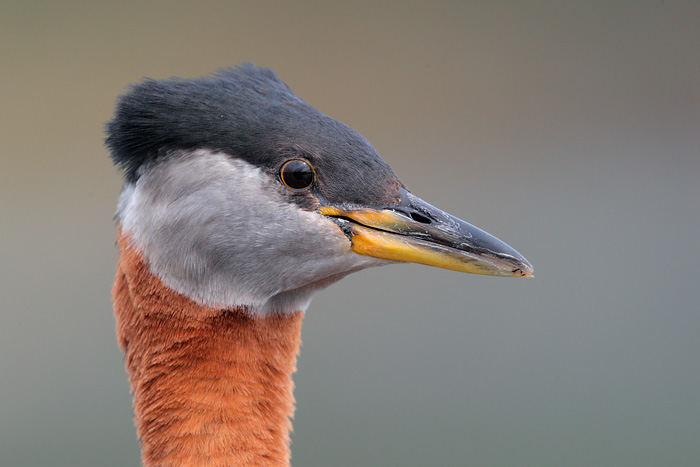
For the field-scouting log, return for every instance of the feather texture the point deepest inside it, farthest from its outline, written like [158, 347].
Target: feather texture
[211, 387]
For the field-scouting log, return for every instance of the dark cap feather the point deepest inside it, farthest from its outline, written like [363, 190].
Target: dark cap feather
[248, 113]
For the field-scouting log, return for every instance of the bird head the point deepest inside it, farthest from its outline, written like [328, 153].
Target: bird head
[239, 194]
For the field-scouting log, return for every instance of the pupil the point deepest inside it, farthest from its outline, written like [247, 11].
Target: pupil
[297, 174]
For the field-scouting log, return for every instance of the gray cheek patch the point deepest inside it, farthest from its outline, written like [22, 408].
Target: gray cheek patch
[220, 231]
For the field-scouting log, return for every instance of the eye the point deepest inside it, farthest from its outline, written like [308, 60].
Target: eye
[297, 174]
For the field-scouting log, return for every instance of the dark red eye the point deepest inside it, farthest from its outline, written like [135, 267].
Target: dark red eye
[297, 174]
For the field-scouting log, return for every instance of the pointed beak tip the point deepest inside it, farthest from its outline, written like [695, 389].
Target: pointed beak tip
[510, 267]
[526, 271]
[523, 268]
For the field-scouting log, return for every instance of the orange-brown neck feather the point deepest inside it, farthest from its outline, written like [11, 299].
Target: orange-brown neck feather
[211, 387]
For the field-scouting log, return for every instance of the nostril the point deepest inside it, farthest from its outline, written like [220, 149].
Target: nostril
[420, 218]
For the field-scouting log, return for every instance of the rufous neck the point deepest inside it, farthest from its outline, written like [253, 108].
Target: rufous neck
[211, 387]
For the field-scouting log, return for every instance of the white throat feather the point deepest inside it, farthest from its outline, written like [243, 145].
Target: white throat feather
[221, 232]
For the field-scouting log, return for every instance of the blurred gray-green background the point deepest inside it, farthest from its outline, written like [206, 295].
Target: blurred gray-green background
[571, 130]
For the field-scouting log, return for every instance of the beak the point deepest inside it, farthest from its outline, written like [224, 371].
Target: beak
[416, 232]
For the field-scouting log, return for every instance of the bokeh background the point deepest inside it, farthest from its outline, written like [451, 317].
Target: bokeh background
[571, 130]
